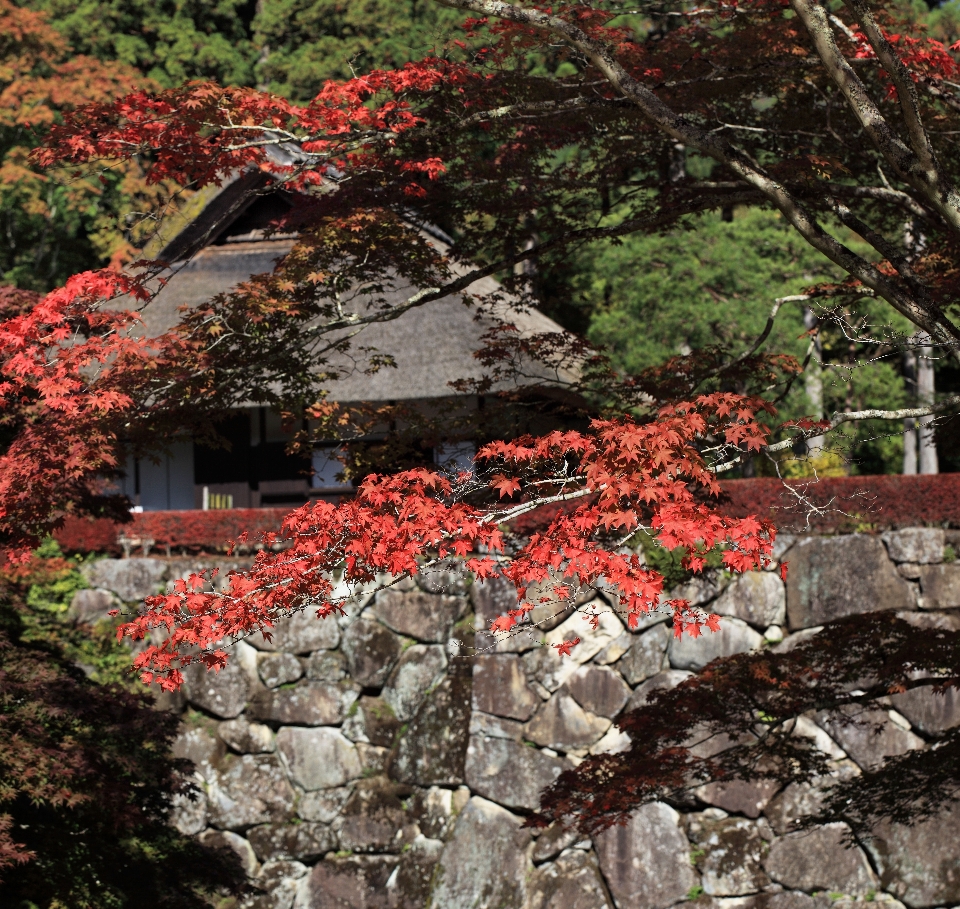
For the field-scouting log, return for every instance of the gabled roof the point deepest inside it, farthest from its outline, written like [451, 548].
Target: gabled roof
[215, 245]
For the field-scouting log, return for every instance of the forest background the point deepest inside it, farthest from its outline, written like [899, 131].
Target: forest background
[642, 298]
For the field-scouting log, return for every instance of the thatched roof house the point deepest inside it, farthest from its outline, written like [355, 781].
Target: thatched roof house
[220, 241]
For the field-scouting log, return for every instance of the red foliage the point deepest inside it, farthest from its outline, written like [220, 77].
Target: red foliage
[196, 531]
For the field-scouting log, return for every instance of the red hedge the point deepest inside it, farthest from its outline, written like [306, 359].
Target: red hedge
[848, 503]
[196, 531]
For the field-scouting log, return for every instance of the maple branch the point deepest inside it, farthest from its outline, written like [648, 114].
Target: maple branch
[937, 325]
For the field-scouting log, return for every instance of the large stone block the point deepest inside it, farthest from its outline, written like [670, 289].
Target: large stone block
[831, 577]
[733, 637]
[646, 862]
[932, 714]
[246, 737]
[730, 854]
[492, 597]
[197, 745]
[373, 817]
[746, 797]
[222, 693]
[669, 678]
[422, 616]
[276, 669]
[433, 749]
[484, 864]
[129, 579]
[410, 885]
[598, 690]
[562, 724]
[252, 789]
[330, 665]
[348, 882]
[818, 859]
[318, 758]
[500, 687]
[647, 656]
[868, 736]
[920, 864]
[448, 576]
[550, 669]
[225, 839]
[572, 882]
[188, 811]
[416, 672]
[301, 632]
[276, 885]
[757, 597]
[919, 545]
[940, 586]
[303, 841]
[306, 704]
[90, 606]
[510, 773]
[371, 651]
[372, 720]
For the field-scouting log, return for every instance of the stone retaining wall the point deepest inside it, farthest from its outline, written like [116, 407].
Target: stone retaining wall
[364, 764]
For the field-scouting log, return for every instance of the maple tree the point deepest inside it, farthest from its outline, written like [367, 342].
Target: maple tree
[831, 118]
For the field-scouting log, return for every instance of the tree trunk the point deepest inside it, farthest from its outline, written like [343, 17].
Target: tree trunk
[925, 394]
[910, 424]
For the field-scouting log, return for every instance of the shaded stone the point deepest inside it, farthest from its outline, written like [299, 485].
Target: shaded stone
[500, 687]
[940, 586]
[306, 842]
[224, 839]
[301, 632]
[372, 720]
[276, 885]
[129, 579]
[647, 656]
[371, 651]
[739, 796]
[572, 882]
[91, 606]
[920, 545]
[222, 693]
[831, 577]
[352, 882]
[646, 863]
[246, 737]
[433, 809]
[598, 690]
[920, 864]
[552, 842]
[422, 616]
[318, 758]
[306, 704]
[197, 745]
[277, 669]
[669, 678]
[410, 883]
[562, 724]
[801, 800]
[510, 773]
[733, 637]
[188, 811]
[417, 670]
[868, 736]
[495, 726]
[730, 854]
[448, 576]
[433, 749]
[252, 789]
[818, 859]
[933, 714]
[373, 817]
[613, 741]
[324, 805]
[757, 597]
[483, 865]
[373, 758]
[328, 665]
[492, 597]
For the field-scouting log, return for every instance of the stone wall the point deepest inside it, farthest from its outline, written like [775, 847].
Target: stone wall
[364, 763]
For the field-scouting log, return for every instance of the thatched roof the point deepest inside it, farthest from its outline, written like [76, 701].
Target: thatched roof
[219, 245]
